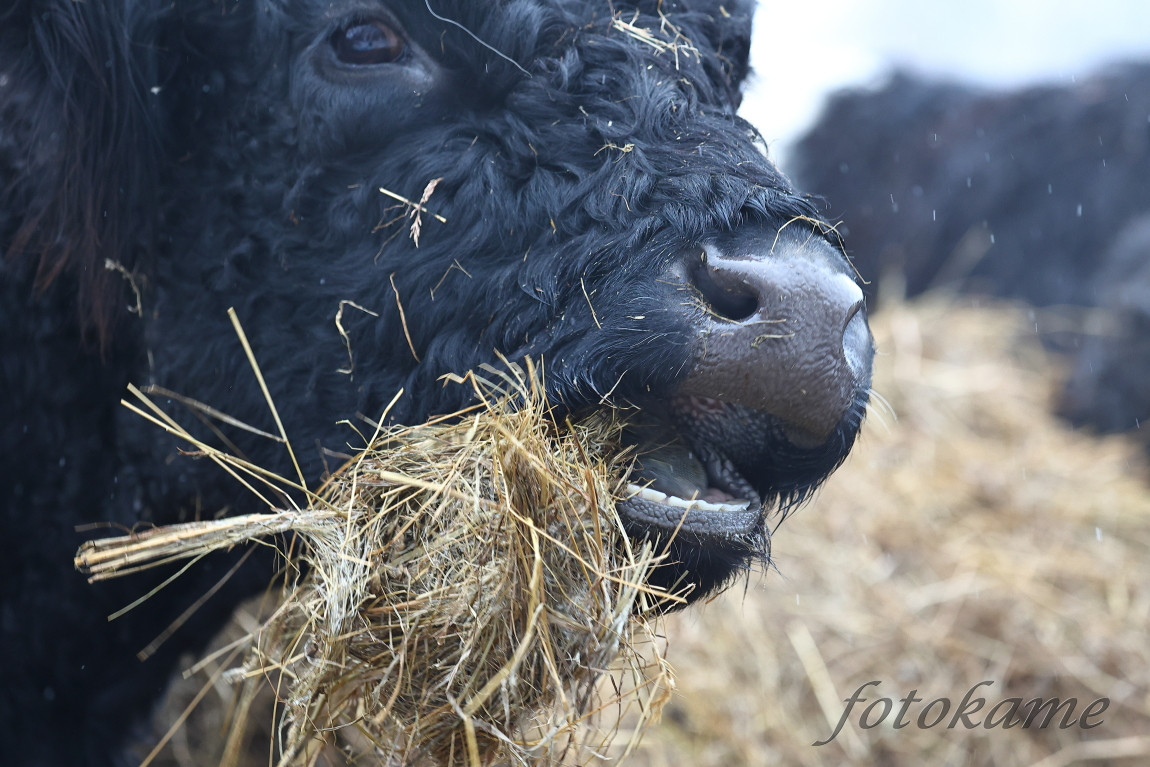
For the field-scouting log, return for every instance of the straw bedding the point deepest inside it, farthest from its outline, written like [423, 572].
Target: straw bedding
[974, 537]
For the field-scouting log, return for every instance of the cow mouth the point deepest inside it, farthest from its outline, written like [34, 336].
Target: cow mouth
[694, 473]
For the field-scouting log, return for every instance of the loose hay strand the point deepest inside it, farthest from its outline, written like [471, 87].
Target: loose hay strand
[264, 388]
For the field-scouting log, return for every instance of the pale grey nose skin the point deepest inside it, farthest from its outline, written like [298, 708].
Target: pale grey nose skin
[785, 330]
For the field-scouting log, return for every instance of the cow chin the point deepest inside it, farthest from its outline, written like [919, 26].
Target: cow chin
[707, 474]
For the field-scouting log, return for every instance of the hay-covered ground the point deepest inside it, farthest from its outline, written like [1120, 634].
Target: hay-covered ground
[973, 539]
[970, 538]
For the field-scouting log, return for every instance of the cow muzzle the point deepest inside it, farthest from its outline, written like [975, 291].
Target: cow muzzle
[774, 396]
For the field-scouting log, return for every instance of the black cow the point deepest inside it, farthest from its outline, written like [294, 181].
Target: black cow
[585, 195]
[1107, 388]
[1033, 194]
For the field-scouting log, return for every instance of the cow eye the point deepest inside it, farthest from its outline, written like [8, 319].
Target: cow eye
[367, 43]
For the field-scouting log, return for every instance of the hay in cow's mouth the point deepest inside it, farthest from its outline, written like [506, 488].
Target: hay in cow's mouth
[453, 595]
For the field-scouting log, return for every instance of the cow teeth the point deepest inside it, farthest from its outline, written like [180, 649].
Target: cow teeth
[694, 504]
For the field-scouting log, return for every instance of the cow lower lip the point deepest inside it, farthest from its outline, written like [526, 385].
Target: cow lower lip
[696, 518]
[673, 489]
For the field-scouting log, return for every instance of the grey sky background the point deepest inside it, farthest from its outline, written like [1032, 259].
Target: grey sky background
[804, 50]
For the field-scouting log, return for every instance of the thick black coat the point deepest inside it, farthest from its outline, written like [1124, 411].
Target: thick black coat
[162, 162]
[1034, 193]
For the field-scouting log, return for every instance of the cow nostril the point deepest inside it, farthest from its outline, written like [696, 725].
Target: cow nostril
[852, 312]
[786, 333]
[857, 344]
[726, 296]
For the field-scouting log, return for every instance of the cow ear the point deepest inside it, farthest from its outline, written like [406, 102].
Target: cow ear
[733, 30]
[79, 164]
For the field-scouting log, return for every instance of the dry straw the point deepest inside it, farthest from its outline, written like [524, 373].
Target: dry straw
[973, 538]
[452, 596]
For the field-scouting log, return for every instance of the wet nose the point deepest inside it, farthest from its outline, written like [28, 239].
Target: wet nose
[784, 331]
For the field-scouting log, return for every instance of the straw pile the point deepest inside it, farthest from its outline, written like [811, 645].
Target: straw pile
[453, 594]
[972, 538]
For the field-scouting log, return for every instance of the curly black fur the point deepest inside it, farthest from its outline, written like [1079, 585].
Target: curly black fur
[163, 161]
